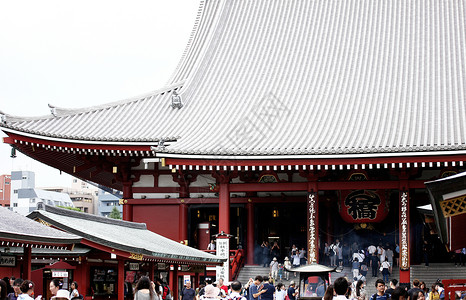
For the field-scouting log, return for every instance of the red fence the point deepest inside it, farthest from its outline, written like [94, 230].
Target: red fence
[452, 286]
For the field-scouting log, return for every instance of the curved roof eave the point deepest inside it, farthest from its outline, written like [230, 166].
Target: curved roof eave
[310, 156]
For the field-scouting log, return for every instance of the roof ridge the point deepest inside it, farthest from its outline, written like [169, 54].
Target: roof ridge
[61, 112]
[86, 216]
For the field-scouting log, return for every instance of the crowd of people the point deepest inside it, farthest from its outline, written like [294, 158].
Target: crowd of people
[379, 258]
[263, 288]
[18, 289]
[259, 288]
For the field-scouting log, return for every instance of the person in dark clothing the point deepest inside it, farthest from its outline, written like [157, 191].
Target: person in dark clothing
[381, 294]
[399, 293]
[8, 282]
[415, 289]
[267, 289]
[292, 292]
[392, 287]
[16, 288]
[188, 292]
[2, 289]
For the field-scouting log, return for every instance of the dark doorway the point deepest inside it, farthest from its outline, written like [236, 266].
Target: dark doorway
[284, 223]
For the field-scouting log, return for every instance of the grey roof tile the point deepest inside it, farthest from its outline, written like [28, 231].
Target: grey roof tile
[299, 77]
[122, 235]
[18, 227]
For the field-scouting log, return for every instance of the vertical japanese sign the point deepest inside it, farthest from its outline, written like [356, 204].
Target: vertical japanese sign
[404, 231]
[223, 251]
[312, 233]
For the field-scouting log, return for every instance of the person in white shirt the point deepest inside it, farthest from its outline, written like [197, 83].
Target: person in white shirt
[382, 254]
[235, 291]
[211, 245]
[281, 292]
[385, 268]
[341, 288]
[287, 266]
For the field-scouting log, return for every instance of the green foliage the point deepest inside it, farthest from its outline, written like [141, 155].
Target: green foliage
[70, 208]
[115, 213]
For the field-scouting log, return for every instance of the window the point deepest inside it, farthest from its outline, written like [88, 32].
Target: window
[25, 177]
[75, 180]
[15, 204]
[7, 182]
[86, 209]
[32, 200]
[15, 191]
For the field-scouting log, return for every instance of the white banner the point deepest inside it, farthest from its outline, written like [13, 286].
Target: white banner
[223, 251]
[59, 274]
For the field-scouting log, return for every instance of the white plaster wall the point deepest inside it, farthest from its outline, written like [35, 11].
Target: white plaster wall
[203, 195]
[203, 180]
[282, 176]
[297, 178]
[145, 181]
[155, 195]
[167, 181]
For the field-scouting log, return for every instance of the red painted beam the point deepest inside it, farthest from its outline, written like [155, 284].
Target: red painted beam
[317, 161]
[321, 186]
[238, 200]
[287, 186]
[169, 190]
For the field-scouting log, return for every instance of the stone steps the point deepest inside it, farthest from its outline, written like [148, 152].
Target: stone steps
[437, 271]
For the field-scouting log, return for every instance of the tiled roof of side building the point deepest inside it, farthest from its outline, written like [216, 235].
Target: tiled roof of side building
[298, 78]
[17, 227]
[121, 235]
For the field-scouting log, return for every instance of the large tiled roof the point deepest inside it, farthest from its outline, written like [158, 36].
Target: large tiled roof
[121, 235]
[275, 77]
[15, 227]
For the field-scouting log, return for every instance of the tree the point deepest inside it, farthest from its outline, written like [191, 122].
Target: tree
[115, 213]
[70, 208]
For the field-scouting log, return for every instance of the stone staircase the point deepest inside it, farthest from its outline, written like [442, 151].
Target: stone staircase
[437, 271]
[251, 271]
[427, 274]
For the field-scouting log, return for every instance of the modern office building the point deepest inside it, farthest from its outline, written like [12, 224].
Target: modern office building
[25, 197]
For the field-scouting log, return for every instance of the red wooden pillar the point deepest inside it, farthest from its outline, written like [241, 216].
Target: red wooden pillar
[121, 278]
[312, 223]
[224, 208]
[173, 284]
[250, 233]
[196, 280]
[81, 275]
[183, 222]
[27, 263]
[151, 270]
[127, 208]
[404, 238]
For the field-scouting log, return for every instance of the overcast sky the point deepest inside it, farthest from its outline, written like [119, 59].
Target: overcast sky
[83, 53]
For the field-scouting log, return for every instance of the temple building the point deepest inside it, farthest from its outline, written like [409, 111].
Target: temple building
[299, 122]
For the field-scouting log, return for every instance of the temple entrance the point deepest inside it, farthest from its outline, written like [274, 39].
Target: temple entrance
[283, 223]
[207, 216]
